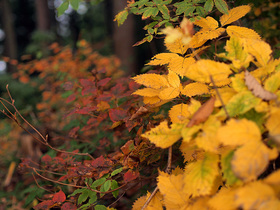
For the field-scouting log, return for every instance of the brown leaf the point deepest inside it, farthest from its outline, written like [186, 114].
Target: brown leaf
[255, 87]
[142, 110]
[202, 114]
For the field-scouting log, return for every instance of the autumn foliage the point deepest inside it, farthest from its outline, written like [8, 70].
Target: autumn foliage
[217, 116]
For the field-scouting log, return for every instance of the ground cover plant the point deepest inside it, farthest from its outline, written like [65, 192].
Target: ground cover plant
[201, 129]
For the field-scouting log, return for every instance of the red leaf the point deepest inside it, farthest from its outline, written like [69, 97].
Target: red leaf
[68, 206]
[133, 85]
[117, 114]
[44, 205]
[128, 147]
[98, 162]
[68, 86]
[103, 82]
[46, 158]
[59, 197]
[73, 132]
[118, 89]
[85, 110]
[105, 97]
[130, 175]
[86, 82]
[71, 98]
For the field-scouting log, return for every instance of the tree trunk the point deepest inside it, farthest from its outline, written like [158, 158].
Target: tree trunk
[123, 37]
[42, 15]
[10, 43]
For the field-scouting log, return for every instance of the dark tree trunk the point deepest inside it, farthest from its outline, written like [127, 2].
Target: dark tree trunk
[10, 43]
[42, 15]
[123, 37]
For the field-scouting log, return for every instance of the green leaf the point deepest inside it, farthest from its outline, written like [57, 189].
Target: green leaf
[98, 182]
[208, 6]
[164, 10]
[117, 171]
[106, 186]
[121, 17]
[150, 11]
[221, 6]
[76, 192]
[201, 11]
[93, 197]
[75, 4]
[115, 185]
[62, 8]
[83, 197]
[88, 180]
[228, 174]
[100, 207]
[182, 7]
[241, 103]
[142, 3]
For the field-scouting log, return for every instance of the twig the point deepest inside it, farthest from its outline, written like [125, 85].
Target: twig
[167, 170]
[44, 139]
[77, 186]
[116, 200]
[219, 96]
[39, 185]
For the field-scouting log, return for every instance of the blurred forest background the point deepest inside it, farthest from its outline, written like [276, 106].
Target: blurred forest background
[29, 27]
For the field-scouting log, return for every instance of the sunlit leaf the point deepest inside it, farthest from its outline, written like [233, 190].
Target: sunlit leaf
[242, 32]
[172, 189]
[163, 136]
[151, 80]
[238, 132]
[195, 88]
[234, 14]
[251, 160]
[200, 175]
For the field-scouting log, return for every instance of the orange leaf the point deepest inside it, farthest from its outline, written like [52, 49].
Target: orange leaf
[202, 113]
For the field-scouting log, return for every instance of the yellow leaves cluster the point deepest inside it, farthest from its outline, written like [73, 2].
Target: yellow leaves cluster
[227, 152]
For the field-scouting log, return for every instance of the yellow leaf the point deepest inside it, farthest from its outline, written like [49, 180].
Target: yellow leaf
[150, 92]
[240, 103]
[179, 113]
[236, 54]
[191, 152]
[273, 124]
[171, 188]
[155, 81]
[194, 106]
[173, 79]
[251, 160]
[255, 195]
[273, 178]
[103, 105]
[242, 32]
[188, 132]
[163, 58]
[238, 132]
[224, 198]
[234, 14]
[260, 50]
[199, 203]
[163, 136]
[203, 35]
[238, 82]
[151, 100]
[169, 93]
[200, 176]
[177, 46]
[195, 88]
[273, 82]
[207, 23]
[172, 34]
[155, 203]
[203, 69]
[207, 139]
[180, 64]
[228, 175]
[226, 94]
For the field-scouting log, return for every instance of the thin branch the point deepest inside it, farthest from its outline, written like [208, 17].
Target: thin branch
[167, 170]
[219, 96]
[150, 198]
[39, 185]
